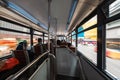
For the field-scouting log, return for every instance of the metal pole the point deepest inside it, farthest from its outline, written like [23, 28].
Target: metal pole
[49, 18]
[31, 36]
[101, 31]
[43, 37]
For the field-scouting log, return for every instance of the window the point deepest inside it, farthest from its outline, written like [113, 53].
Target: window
[9, 41]
[88, 24]
[114, 8]
[74, 40]
[87, 44]
[39, 33]
[73, 33]
[113, 48]
[13, 26]
[45, 40]
[46, 35]
[35, 39]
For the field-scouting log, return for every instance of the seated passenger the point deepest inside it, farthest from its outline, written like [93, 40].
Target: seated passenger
[58, 42]
[23, 46]
[38, 48]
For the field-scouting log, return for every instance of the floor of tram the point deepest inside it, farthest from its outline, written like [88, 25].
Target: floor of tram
[62, 77]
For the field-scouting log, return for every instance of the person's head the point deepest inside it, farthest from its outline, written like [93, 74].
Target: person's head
[25, 43]
[58, 42]
[22, 45]
[39, 40]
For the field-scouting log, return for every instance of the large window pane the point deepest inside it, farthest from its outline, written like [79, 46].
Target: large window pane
[73, 40]
[87, 44]
[39, 33]
[45, 40]
[114, 8]
[35, 39]
[9, 41]
[113, 47]
[73, 32]
[13, 26]
[89, 23]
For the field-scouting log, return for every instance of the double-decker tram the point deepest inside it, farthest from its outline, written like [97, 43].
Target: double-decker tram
[59, 39]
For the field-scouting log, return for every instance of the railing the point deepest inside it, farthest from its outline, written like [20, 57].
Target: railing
[6, 56]
[20, 72]
[52, 67]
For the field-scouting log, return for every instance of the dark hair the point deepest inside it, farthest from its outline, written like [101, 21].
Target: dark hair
[39, 40]
[58, 42]
[21, 44]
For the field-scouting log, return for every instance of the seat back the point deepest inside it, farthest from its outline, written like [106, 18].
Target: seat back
[38, 50]
[22, 56]
[45, 47]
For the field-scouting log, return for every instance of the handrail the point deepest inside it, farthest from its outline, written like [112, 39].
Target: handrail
[16, 75]
[6, 57]
[52, 55]
[52, 77]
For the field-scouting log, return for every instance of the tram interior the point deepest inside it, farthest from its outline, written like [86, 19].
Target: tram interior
[55, 58]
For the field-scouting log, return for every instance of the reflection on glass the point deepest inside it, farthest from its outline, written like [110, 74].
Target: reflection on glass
[87, 42]
[9, 41]
[113, 48]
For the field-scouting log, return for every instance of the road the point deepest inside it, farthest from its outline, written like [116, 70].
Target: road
[112, 65]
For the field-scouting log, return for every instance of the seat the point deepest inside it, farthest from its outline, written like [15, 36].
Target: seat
[22, 56]
[38, 49]
[45, 47]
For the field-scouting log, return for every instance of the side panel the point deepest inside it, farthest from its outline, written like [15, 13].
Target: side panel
[41, 73]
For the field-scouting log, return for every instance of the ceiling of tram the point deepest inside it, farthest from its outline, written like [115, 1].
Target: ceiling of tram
[39, 10]
[60, 12]
[36, 8]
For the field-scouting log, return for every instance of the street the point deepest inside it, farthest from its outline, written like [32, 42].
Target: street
[112, 65]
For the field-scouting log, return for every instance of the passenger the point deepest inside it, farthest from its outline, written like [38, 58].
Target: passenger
[23, 46]
[38, 48]
[39, 41]
[52, 46]
[58, 42]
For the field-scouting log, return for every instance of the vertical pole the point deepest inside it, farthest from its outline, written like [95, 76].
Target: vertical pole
[56, 32]
[43, 37]
[76, 30]
[71, 38]
[31, 36]
[76, 41]
[49, 18]
[101, 35]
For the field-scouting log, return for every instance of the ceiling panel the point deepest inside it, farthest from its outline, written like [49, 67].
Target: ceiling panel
[83, 9]
[59, 12]
[37, 8]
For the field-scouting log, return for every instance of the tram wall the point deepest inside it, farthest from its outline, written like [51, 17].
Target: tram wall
[90, 71]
